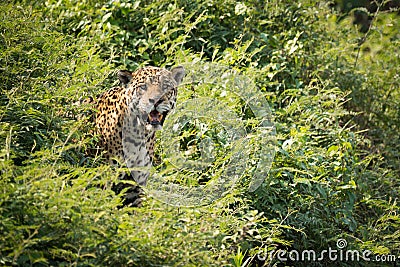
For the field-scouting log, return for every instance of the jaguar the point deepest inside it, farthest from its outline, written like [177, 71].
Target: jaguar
[129, 115]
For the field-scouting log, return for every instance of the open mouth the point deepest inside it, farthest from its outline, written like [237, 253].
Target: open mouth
[155, 118]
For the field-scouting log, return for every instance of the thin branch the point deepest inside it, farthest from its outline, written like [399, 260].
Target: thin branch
[362, 41]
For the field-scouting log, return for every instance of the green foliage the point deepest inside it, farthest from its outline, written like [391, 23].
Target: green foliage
[333, 90]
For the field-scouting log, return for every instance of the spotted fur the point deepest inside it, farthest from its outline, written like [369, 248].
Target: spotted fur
[129, 115]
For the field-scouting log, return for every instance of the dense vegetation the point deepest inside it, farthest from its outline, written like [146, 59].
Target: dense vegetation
[334, 92]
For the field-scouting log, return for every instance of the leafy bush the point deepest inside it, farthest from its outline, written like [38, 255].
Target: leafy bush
[335, 101]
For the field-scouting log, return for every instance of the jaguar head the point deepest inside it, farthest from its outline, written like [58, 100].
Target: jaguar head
[157, 95]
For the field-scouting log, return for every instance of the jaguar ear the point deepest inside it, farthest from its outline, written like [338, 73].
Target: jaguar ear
[178, 73]
[124, 76]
